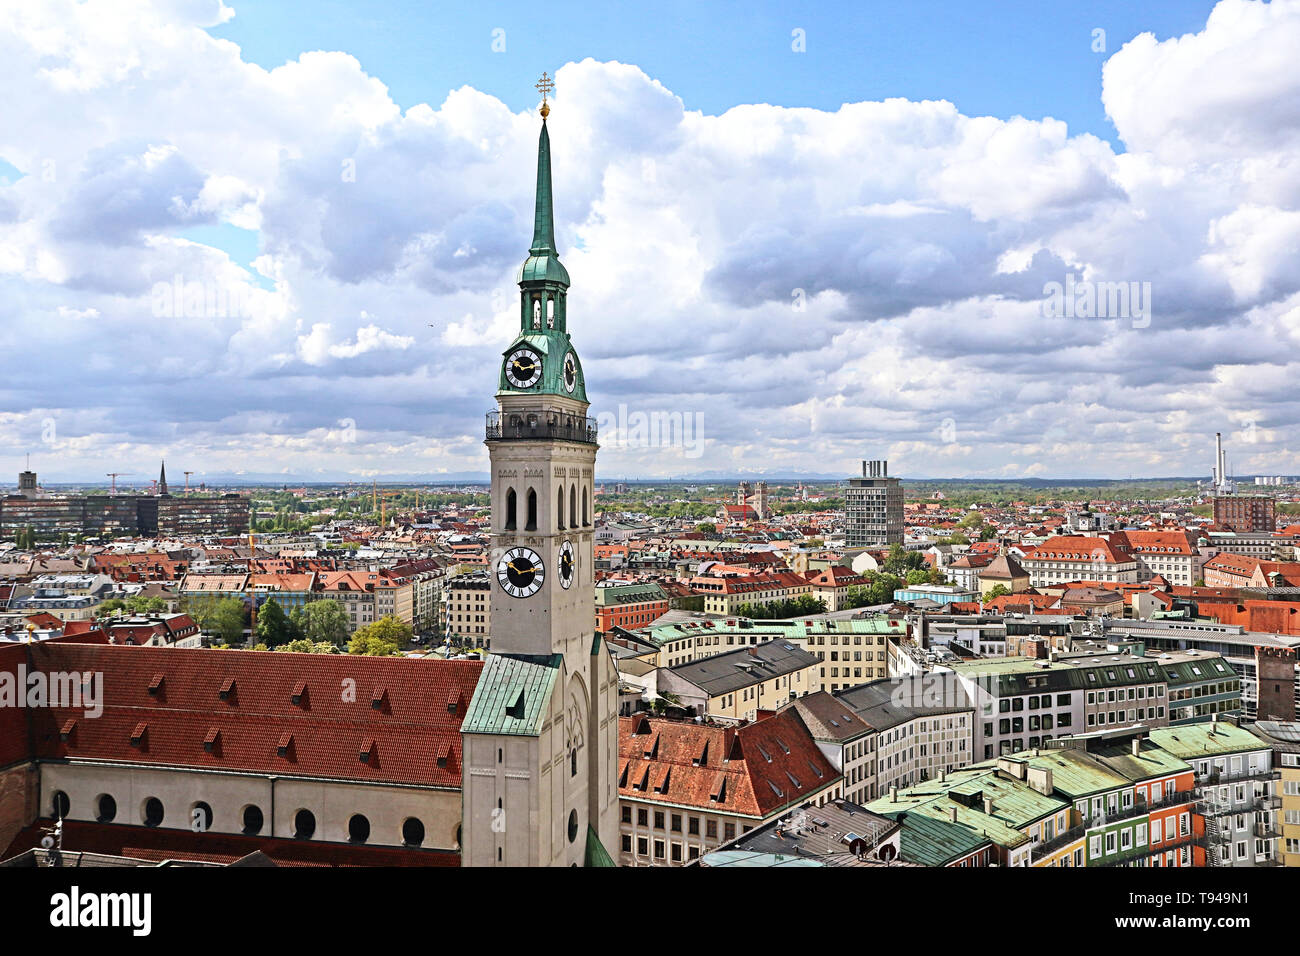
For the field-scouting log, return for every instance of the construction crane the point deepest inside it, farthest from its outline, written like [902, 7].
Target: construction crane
[114, 475]
[383, 504]
[187, 481]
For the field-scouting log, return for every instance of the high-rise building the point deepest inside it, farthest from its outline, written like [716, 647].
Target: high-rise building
[1245, 512]
[540, 738]
[873, 508]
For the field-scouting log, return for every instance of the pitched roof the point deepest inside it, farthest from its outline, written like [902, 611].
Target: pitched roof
[754, 770]
[324, 703]
[513, 695]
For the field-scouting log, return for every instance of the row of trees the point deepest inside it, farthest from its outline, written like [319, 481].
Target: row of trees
[318, 627]
[135, 604]
[801, 606]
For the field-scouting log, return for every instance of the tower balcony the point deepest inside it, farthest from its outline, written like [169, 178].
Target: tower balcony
[542, 424]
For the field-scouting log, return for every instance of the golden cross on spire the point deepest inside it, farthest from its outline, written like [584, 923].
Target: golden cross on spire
[545, 85]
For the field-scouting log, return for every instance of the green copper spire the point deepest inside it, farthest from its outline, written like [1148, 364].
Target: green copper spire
[543, 262]
[542, 360]
[544, 218]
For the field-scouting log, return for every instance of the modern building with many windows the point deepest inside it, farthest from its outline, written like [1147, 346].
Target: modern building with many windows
[873, 508]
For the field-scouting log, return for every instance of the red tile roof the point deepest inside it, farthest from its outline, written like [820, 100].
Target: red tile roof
[754, 770]
[257, 714]
[163, 843]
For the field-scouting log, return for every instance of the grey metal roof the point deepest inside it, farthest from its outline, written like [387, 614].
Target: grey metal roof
[746, 666]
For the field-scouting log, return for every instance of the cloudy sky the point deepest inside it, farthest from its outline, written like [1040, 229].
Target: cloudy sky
[810, 239]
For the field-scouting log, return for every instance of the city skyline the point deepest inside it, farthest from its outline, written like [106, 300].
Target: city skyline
[804, 285]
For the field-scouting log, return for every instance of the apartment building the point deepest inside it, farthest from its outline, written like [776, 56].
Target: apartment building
[628, 604]
[846, 740]
[920, 735]
[1166, 554]
[724, 593]
[1284, 738]
[1081, 558]
[850, 652]
[467, 604]
[737, 685]
[685, 788]
[1237, 786]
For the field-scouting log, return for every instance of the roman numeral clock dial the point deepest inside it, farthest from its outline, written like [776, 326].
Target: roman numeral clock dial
[566, 564]
[523, 368]
[520, 572]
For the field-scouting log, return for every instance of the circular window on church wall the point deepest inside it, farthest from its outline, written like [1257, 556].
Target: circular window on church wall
[573, 825]
[153, 812]
[412, 832]
[252, 820]
[304, 825]
[106, 808]
[358, 829]
[61, 804]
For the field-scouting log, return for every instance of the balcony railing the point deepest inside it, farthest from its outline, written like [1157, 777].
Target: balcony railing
[540, 424]
[1267, 831]
[1217, 778]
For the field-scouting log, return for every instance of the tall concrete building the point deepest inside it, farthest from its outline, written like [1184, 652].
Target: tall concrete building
[873, 508]
[540, 737]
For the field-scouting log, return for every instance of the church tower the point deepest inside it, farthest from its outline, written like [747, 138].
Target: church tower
[541, 733]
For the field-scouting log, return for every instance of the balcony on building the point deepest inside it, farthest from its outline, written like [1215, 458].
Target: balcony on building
[541, 424]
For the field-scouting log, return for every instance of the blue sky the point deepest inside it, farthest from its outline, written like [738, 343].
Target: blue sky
[282, 237]
[1017, 57]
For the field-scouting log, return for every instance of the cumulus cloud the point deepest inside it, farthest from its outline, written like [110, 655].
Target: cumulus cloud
[817, 286]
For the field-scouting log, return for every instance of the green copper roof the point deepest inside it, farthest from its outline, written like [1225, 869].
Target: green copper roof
[596, 854]
[1190, 741]
[543, 262]
[512, 695]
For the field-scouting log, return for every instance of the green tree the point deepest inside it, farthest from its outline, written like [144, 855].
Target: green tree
[273, 627]
[997, 591]
[368, 645]
[110, 607]
[325, 621]
[707, 528]
[227, 620]
[303, 646]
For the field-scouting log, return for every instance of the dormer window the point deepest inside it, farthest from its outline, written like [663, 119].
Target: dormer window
[155, 685]
[227, 689]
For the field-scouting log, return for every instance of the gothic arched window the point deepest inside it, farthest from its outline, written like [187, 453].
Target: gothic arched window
[532, 511]
[585, 520]
[573, 506]
[510, 510]
[559, 508]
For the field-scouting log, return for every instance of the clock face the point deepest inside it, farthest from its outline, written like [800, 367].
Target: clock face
[566, 564]
[570, 372]
[523, 368]
[520, 572]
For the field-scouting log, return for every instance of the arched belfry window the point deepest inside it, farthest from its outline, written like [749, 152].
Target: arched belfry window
[550, 311]
[585, 520]
[532, 511]
[559, 508]
[510, 510]
[537, 313]
[573, 506]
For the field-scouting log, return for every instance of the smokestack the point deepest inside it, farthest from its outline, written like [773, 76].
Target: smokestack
[1220, 472]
